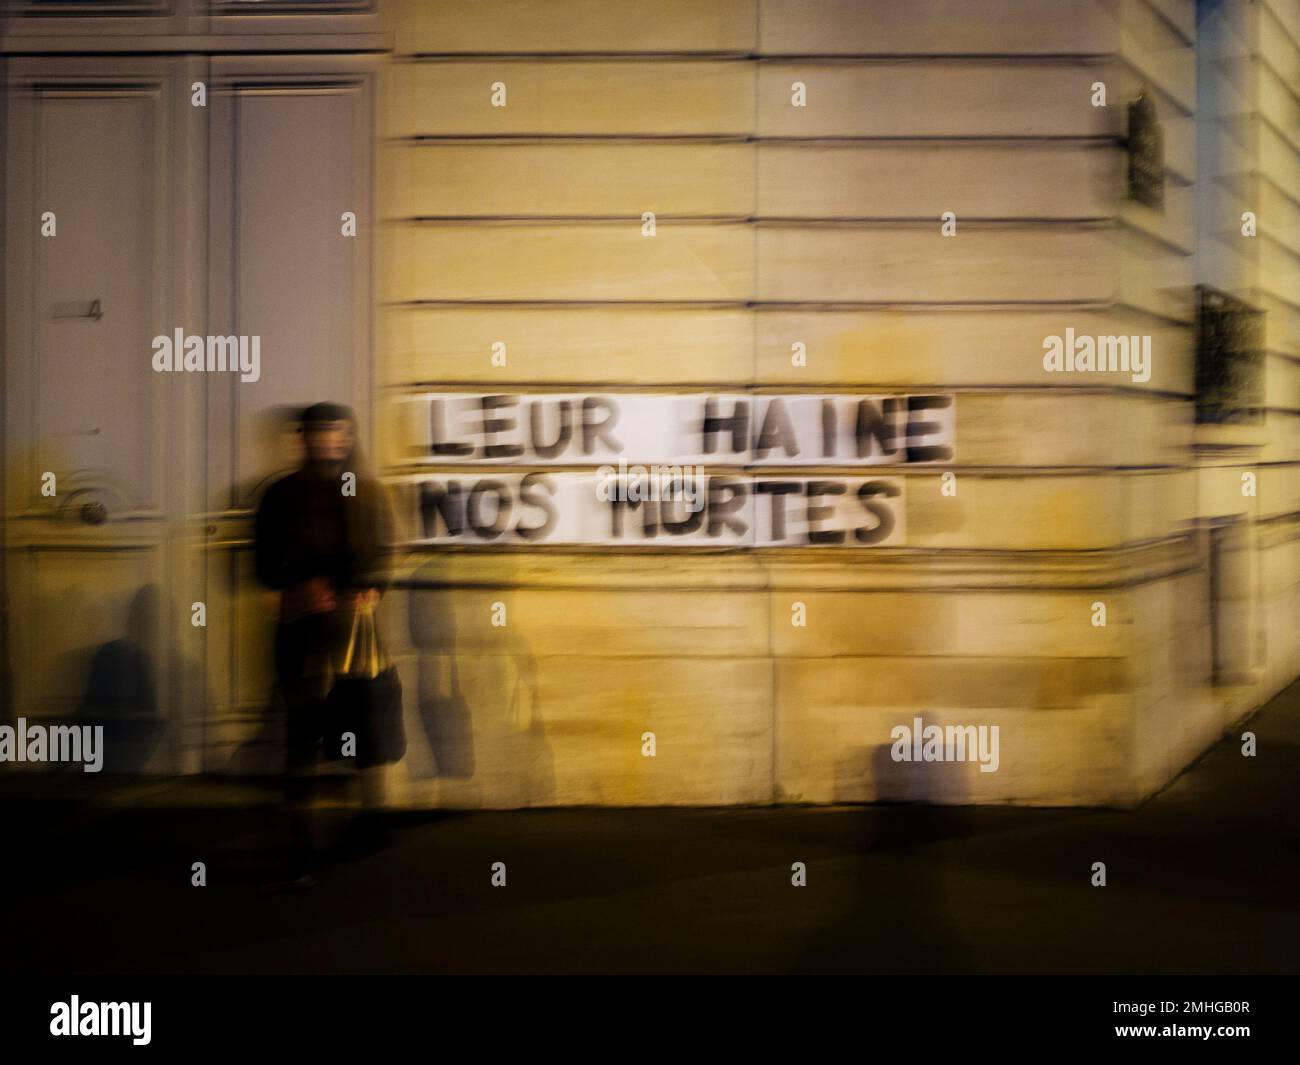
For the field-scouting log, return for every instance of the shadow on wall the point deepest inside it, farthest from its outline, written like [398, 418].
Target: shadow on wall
[121, 689]
[901, 920]
[936, 782]
[478, 712]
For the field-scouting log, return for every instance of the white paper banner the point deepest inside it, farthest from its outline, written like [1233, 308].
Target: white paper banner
[482, 507]
[579, 429]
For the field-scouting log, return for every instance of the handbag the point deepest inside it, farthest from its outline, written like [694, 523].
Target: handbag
[365, 700]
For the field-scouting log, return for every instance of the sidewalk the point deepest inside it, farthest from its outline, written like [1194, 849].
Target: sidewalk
[1204, 878]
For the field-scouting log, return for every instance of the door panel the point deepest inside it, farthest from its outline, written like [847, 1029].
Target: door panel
[220, 221]
[98, 591]
[97, 390]
[290, 151]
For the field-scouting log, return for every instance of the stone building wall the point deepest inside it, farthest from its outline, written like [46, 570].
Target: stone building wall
[820, 224]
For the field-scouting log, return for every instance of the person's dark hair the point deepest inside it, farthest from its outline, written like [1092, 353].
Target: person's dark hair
[326, 412]
[337, 412]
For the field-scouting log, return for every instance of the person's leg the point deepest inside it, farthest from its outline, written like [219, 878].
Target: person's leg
[371, 820]
[302, 704]
[300, 788]
[374, 790]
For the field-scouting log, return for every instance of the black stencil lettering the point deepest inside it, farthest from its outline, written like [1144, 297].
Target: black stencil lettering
[777, 431]
[777, 489]
[474, 509]
[536, 490]
[442, 501]
[438, 445]
[829, 425]
[822, 511]
[492, 425]
[595, 427]
[649, 517]
[726, 499]
[736, 423]
[876, 427]
[883, 514]
[563, 432]
[918, 428]
[688, 523]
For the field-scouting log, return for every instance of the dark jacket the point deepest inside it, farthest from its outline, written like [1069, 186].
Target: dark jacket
[306, 527]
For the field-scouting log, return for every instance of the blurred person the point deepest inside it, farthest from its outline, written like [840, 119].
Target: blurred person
[327, 553]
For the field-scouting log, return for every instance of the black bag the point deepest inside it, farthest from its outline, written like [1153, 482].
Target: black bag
[365, 700]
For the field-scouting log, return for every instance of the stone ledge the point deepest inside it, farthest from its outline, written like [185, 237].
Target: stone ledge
[837, 570]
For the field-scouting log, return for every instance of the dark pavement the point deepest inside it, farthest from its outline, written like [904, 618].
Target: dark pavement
[1204, 878]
